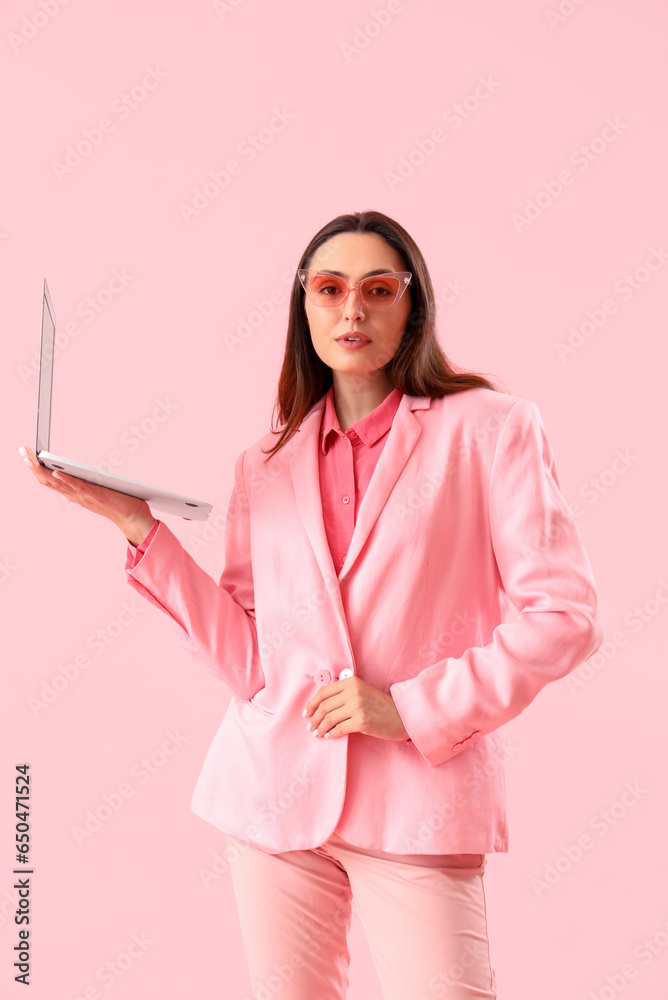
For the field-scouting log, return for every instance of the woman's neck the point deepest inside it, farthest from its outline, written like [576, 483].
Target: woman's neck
[355, 396]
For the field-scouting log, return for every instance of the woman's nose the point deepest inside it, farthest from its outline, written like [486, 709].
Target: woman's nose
[354, 303]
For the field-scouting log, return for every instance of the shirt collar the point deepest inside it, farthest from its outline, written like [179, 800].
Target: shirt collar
[369, 429]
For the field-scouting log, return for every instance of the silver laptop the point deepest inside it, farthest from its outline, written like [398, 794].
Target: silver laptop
[172, 503]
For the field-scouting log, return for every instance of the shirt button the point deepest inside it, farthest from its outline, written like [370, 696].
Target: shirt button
[346, 672]
[345, 499]
[352, 435]
[323, 677]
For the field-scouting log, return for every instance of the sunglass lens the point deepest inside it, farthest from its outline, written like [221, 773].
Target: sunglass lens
[380, 291]
[327, 289]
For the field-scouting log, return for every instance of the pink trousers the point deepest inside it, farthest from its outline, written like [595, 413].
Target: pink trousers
[424, 917]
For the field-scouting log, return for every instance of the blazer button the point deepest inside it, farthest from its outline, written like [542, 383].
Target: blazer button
[347, 672]
[322, 677]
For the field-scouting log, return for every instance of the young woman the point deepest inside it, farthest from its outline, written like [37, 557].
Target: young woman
[401, 577]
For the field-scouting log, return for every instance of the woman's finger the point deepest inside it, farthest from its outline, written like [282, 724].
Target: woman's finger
[99, 499]
[64, 483]
[74, 484]
[42, 473]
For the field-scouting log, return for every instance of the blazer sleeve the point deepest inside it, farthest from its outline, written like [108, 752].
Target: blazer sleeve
[216, 622]
[545, 572]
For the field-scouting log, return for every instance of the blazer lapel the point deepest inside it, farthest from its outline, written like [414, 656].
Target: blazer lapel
[304, 467]
[306, 480]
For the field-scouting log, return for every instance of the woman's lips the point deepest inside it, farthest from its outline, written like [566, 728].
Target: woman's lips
[353, 345]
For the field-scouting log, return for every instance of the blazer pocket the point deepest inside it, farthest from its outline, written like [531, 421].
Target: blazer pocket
[259, 708]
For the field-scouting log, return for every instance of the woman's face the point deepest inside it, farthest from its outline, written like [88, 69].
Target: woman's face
[355, 255]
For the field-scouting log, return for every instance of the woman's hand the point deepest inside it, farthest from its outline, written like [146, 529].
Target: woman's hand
[130, 514]
[354, 706]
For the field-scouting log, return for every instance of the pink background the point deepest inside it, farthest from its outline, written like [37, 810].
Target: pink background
[360, 93]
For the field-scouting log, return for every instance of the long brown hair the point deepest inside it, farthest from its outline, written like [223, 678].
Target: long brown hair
[419, 367]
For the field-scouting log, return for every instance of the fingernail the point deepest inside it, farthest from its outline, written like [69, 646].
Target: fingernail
[304, 714]
[57, 475]
[308, 725]
[28, 462]
[22, 451]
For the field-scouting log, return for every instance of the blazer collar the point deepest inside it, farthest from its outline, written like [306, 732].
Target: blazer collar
[304, 468]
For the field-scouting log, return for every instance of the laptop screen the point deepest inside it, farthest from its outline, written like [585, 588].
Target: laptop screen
[46, 349]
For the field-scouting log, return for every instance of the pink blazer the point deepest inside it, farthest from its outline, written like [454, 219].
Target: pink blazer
[465, 591]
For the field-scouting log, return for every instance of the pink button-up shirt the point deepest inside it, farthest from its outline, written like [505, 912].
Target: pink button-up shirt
[347, 460]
